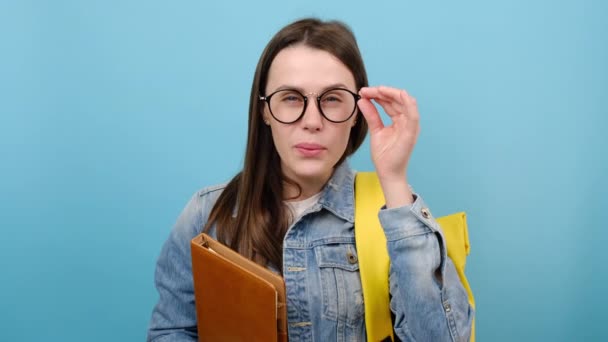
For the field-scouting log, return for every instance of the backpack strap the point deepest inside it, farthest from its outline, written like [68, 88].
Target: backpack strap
[374, 262]
[373, 257]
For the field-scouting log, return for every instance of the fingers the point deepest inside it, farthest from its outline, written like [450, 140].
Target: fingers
[383, 93]
[391, 108]
[410, 105]
[371, 115]
[394, 101]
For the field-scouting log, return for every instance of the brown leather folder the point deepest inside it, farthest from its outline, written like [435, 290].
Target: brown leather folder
[236, 299]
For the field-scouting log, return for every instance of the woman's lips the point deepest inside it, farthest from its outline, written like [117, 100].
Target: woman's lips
[309, 149]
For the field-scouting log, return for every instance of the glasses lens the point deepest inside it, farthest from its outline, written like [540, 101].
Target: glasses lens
[338, 104]
[287, 105]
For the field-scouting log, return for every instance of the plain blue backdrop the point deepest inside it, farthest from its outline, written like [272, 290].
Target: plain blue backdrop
[112, 113]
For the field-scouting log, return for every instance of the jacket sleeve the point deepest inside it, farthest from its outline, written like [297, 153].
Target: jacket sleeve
[427, 297]
[174, 316]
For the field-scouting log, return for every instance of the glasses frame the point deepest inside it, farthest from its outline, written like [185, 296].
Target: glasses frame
[266, 99]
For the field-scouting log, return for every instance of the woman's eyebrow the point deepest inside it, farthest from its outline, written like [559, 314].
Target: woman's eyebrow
[301, 90]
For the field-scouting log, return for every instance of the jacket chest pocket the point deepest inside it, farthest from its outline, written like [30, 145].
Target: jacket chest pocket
[340, 283]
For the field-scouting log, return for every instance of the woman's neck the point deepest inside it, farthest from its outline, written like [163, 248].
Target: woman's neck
[308, 188]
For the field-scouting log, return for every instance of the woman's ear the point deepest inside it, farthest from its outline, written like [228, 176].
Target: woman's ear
[264, 116]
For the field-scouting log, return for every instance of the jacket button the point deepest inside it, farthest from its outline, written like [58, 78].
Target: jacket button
[352, 258]
[425, 213]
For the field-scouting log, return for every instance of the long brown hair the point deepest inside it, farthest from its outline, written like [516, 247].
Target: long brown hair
[255, 194]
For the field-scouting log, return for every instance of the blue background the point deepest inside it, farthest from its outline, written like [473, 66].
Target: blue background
[112, 113]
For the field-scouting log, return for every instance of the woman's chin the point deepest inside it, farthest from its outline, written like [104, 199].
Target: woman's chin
[312, 171]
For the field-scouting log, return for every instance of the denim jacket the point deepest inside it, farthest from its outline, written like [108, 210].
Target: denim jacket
[323, 288]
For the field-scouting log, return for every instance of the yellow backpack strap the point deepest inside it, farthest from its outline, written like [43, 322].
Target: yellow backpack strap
[456, 234]
[373, 257]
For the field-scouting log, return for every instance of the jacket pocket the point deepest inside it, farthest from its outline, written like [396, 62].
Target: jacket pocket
[340, 283]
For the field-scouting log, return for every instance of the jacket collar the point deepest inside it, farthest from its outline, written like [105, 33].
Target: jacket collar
[338, 195]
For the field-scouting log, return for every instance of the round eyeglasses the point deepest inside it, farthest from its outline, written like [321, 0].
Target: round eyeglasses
[288, 105]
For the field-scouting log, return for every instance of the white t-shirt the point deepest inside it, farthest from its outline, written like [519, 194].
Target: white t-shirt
[299, 207]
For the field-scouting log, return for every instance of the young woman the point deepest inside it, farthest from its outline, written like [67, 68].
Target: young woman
[291, 208]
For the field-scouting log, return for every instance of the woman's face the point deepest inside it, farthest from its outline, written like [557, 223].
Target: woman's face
[310, 147]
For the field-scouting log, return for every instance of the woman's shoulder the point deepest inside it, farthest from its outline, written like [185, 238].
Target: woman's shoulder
[196, 212]
[210, 191]
[207, 196]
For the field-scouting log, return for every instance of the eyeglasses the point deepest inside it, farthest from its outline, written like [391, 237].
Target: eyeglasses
[288, 105]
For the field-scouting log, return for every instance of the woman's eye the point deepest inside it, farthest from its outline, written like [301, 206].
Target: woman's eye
[291, 98]
[332, 98]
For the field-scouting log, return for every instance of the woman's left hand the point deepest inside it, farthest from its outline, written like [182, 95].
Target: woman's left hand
[391, 145]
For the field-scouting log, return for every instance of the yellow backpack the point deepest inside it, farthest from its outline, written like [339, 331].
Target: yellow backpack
[374, 260]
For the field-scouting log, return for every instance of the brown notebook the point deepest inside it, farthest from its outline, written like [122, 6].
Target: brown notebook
[236, 299]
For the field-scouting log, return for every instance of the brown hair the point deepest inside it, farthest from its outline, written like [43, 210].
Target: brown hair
[255, 194]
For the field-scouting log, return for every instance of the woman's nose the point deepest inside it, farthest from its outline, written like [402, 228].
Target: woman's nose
[312, 119]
